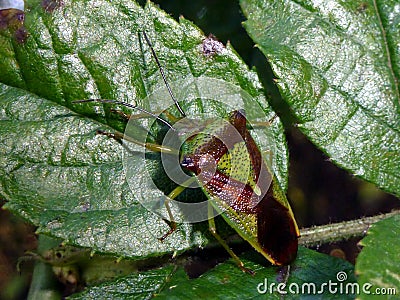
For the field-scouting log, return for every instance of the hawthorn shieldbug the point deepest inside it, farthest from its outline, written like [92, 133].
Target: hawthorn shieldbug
[215, 150]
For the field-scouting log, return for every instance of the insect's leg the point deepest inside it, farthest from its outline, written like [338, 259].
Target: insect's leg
[213, 230]
[265, 123]
[171, 196]
[118, 136]
[124, 115]
[171, 223]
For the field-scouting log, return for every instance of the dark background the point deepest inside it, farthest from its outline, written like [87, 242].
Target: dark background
[319, 192]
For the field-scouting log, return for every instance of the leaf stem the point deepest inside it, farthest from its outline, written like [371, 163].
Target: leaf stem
[335, 232]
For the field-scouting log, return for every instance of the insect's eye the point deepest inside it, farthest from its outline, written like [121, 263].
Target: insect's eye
[187, 162]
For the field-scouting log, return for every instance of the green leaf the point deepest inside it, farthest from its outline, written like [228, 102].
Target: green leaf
[338, 67]
[55, 171]
[136, 286]
[226, 281]
[377, 265]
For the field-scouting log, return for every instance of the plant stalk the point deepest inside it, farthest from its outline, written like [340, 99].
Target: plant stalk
[318, 235]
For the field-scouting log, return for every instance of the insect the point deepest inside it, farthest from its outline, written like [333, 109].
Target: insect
[221, 156]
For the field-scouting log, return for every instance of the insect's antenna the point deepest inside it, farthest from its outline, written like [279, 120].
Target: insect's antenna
[163, 75]
[127, 105]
